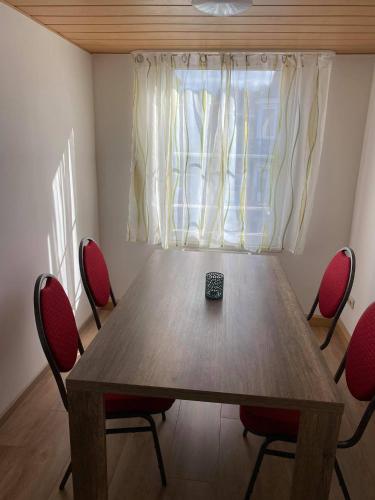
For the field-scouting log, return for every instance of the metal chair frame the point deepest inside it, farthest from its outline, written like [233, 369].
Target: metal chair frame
[63, 393]
[86, 285]
[350, 253]
[347, 443]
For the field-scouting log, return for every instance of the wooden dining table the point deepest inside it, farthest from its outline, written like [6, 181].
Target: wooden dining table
[252, 347]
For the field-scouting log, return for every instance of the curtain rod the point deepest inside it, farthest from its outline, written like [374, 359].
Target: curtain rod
[255, 52]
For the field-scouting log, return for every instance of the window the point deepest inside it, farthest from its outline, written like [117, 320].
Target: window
[223, 149]
[251, 133]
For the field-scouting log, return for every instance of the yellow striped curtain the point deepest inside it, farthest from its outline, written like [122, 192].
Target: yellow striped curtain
[226, 148]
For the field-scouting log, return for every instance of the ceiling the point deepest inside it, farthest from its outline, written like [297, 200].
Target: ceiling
[120, 26]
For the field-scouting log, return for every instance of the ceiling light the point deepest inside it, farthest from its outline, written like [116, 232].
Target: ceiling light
[222, 7]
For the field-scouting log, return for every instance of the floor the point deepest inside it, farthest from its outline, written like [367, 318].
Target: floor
[205, 455]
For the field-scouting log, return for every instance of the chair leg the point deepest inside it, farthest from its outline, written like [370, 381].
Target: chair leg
[329, 335]
[341, 479]
[158, 452]
[66, 476]
[245, 431]
[163, 416]
[256, 469]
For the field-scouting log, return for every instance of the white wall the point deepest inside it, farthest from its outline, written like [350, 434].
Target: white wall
[330, 225]
[333, 207]
[113, 111]
[362, 238]
[48, 192]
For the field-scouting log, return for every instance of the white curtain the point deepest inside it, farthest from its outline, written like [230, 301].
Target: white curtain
[226, 148]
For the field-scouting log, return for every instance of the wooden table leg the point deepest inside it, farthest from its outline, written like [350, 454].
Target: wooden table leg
[315, 454]
[88, 445]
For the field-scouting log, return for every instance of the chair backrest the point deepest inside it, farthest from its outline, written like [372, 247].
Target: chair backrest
[336, 283]
[95, 276]
[360, 357]
[56, 327]
[96, 271]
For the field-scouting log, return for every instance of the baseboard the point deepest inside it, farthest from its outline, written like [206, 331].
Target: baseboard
[14, 405]
[108, 307]
[316, 320]
[29, 388]
[86, 323]
[320, 321]
[341, 330]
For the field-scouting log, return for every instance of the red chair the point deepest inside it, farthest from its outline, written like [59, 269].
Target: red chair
[60, 341]
[335, 289]
[95, 277]
[282, 425]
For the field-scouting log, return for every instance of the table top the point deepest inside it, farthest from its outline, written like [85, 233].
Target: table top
[166, 339]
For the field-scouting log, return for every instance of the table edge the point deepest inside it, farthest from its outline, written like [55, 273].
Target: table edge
[198, 395]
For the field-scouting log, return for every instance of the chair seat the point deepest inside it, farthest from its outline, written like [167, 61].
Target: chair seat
[122, 403]
[270, 421]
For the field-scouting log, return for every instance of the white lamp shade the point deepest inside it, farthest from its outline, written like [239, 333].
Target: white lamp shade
[222, 7]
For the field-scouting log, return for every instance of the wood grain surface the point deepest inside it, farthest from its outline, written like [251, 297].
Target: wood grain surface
[121, 26]
[166, 339]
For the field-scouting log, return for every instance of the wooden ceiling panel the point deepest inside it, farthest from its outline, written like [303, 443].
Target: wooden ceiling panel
[121, 26]
[238, 29]
[214, 21]
[189, 10]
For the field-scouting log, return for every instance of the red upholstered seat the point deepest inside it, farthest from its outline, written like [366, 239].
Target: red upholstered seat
[360, 357]
[60, 342]
[96, 273]
[282, 425]
[62, 336]
[120, 403]
[333, 285]
[270, 421]
[59, 324]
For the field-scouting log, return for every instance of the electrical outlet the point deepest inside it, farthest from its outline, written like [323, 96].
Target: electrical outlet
[351, 302]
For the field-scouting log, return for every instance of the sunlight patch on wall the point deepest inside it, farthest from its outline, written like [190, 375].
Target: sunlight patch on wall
[63, 243]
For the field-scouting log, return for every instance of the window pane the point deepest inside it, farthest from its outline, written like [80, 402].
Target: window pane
[215, 120]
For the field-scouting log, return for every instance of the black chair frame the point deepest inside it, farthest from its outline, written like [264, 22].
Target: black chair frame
[86, 285]
[350, 253]
[347, 443]
[63, 393]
